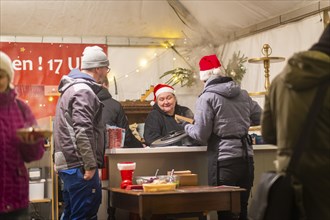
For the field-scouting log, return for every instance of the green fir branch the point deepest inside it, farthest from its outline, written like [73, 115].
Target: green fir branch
[179, 75]
[235, 67]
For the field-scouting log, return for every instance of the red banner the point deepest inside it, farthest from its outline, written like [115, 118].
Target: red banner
[39, 68]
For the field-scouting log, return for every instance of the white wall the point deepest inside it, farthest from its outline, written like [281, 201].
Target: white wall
[284, 41]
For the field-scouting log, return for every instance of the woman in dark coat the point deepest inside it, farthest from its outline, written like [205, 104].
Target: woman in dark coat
[160, 121]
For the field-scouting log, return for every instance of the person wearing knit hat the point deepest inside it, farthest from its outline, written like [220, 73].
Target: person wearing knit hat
[94, 61]
[287, 103]
[93, 56]
[16, 150]
[209, 66]
[160, 121]
[224, 113]
[79, 136]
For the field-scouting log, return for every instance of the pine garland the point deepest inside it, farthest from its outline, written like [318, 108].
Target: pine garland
[235, 67]
[179, 75]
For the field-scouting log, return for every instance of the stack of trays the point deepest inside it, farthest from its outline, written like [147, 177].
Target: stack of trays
[151, 187]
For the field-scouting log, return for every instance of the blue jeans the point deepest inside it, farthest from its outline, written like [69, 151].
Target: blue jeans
[82, 198]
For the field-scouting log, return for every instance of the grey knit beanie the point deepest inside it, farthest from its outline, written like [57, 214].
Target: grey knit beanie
[94, 57]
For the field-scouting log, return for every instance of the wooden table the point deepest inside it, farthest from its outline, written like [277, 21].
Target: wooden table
[184, 200]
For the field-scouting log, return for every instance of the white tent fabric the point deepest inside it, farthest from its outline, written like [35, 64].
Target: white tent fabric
[284, 41]
[205, 24]
[140, 18]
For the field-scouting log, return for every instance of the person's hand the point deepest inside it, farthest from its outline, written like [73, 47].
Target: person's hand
[100, 173]
[89, 174]
[55, 168]
[183, 124]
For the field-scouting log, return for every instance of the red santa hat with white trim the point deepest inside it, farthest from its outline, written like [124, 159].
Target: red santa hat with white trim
[209, 65]
[161, 88]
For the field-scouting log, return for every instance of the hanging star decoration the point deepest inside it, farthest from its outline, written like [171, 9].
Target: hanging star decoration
[235, 67]
[179, 75]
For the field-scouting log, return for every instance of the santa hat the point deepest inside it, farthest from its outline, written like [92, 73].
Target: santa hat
[209, 65]
[161, 88]
[6, 66]
[94, 57]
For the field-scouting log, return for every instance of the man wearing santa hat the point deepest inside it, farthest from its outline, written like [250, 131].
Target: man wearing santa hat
[224, 113]
[160, 121]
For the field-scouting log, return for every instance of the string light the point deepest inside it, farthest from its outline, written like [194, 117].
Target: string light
[143, 63]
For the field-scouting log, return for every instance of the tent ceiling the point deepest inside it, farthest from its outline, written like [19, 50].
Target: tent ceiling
[137, 18]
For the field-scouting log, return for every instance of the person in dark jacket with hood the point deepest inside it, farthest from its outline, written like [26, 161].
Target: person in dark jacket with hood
[224, 113]
[79, 136]
[286, 107]
[113, 114]
[160, 122]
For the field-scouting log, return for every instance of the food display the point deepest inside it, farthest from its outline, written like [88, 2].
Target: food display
[37, 132]
[157, 179]
[158, 187]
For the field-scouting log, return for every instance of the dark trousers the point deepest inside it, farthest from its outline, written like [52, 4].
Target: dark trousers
[82, 198]
[237, 172]
[21, 214]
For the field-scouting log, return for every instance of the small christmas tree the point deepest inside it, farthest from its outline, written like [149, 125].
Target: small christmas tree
[235, 67]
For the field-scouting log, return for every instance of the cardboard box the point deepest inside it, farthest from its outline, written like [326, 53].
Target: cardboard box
[186, 178]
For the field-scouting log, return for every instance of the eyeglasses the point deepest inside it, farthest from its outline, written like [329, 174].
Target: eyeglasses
[108, 69]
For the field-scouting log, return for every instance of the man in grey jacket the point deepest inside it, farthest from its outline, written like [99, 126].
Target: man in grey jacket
[79, 136]
[222, 118]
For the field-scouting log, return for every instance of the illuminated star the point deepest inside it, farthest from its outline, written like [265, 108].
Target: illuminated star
[22, 49]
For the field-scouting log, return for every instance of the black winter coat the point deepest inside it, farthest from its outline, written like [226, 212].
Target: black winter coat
[159, 124]
[114, 115]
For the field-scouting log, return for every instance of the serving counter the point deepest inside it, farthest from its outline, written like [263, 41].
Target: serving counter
[148, 160]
